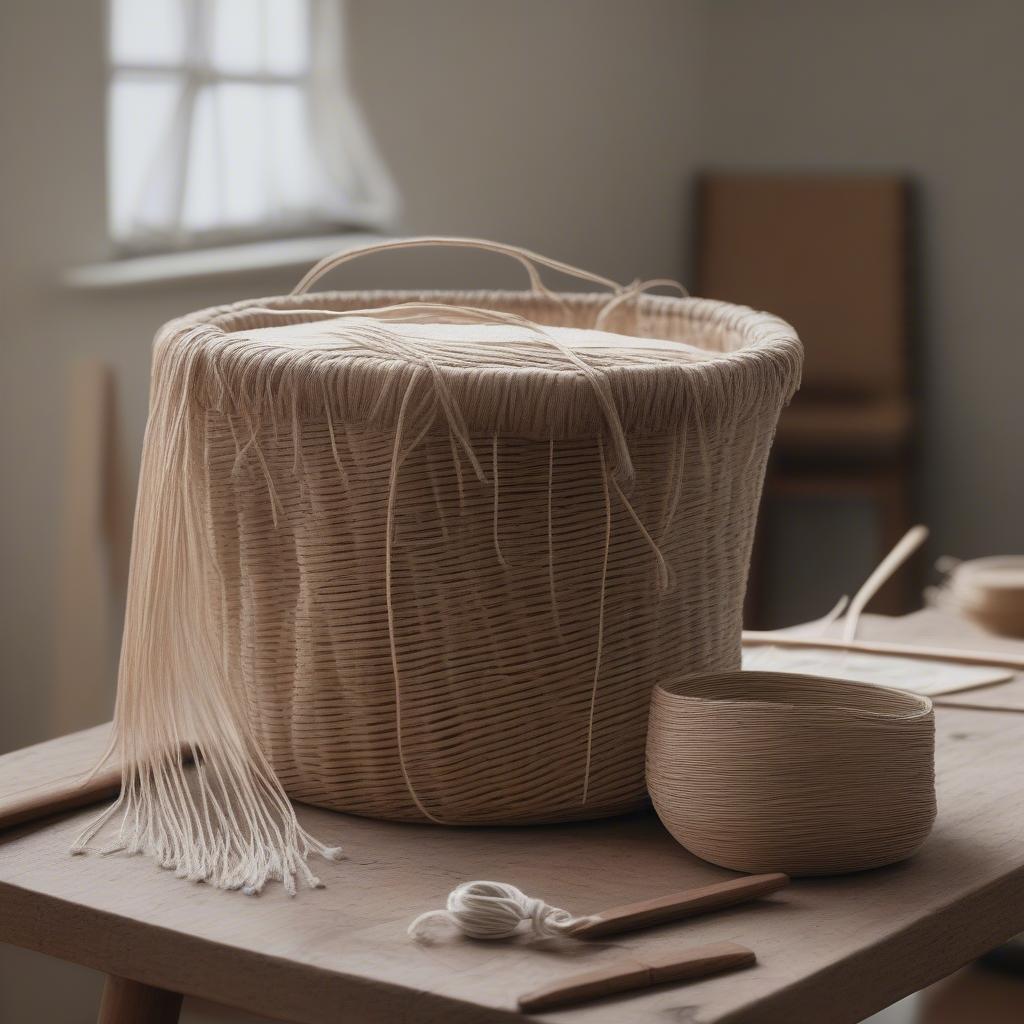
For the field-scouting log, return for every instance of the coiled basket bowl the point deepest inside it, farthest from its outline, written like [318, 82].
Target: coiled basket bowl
[765, 771]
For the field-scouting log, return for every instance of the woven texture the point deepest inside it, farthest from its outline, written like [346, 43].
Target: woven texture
[423, 556]
[768, 771]
[496, 631]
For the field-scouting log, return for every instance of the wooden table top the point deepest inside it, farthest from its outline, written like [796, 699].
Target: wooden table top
[830, 950]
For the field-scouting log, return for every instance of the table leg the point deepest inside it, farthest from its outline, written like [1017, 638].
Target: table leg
[131, 1002]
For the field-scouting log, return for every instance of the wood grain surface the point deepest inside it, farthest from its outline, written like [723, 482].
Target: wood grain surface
[830, 950]
[54, 776]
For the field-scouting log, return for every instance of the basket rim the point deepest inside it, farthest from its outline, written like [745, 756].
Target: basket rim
[703, 691]
[755, 371]
[758, 329]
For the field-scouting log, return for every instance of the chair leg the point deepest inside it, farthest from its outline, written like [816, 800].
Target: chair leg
[131, 1002]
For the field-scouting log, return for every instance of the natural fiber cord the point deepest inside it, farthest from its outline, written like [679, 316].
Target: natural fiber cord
[770, 771]
[423, 556]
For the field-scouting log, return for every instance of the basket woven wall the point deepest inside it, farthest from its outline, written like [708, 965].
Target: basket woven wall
[774, 771]
[423, 556]
[496, 636]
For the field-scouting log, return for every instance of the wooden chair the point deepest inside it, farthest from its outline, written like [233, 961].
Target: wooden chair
[828, 254]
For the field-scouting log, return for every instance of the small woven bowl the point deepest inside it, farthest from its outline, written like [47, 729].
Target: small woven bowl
[771, 771]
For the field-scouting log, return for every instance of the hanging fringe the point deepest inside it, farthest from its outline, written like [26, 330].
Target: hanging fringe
[229, 822]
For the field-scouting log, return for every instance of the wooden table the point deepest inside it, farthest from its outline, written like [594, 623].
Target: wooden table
[829, 950]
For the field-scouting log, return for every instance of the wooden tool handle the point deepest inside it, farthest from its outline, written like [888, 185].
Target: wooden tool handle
[679, 905]
[58, 795]
[628, 975]
[51, 776]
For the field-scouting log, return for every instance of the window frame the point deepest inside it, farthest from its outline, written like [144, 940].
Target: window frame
[191, 73]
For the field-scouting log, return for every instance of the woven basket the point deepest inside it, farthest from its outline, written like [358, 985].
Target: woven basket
[449, 543]
[773, 771]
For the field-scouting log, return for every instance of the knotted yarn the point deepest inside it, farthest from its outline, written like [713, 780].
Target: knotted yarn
[497, 910]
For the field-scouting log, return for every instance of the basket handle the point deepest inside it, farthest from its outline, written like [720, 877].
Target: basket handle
[530, 261]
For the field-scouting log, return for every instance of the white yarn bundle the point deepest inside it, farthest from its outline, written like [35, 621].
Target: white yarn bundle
[495, 910]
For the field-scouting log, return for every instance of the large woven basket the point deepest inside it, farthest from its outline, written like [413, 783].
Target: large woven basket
[447, 560]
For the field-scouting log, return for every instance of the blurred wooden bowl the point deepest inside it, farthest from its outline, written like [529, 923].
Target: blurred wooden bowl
[768, 771]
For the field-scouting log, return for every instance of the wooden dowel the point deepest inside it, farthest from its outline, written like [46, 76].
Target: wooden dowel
[759, 638]
[132, 1002]
[54, 797]
[940, 702]
[905, 547]
[629, 975]
[680, 905]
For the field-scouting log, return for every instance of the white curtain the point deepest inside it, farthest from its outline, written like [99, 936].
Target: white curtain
[232, 119]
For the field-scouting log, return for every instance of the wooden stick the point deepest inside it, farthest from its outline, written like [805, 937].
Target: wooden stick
[905, 547]
[755, 638]
[63, 795]
[680, 905]
[939, 702]
[629, 975]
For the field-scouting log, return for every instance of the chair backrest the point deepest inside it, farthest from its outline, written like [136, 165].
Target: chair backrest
[826, 253]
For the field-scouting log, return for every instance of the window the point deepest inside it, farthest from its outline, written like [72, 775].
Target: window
[230, 119]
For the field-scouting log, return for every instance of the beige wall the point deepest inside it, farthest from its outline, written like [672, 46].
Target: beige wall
[566, 126]
[933, 88]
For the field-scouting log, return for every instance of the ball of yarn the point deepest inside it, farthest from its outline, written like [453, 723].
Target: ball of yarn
[495, 910]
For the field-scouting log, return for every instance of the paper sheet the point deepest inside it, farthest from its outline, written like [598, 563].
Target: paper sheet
[930, 678]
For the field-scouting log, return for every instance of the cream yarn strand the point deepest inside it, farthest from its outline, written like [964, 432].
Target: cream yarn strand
[551, 541]
[600, 618]
[396, 457]
[232, 825]
[529, 260]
